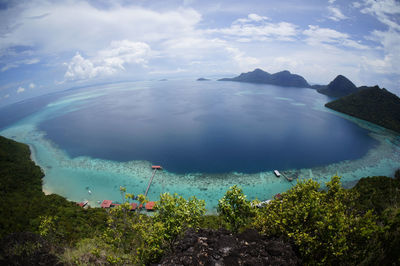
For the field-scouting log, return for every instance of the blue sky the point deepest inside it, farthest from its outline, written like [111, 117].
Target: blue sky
[48, 46]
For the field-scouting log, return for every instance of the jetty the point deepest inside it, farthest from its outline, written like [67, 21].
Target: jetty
[278, 174]
[288, 178]
[155, 167]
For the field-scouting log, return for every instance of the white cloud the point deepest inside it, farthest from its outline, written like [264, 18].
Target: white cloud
[79, 26]
[196, 52]
[329, 37]
[251, 18]
[17, 64]
[336, 14]
[387, 12]
[20, 89]
[109, 61]
[331, 1]
[256, 28]
[32, 85]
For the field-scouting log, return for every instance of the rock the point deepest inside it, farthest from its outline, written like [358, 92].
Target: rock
[221, 247]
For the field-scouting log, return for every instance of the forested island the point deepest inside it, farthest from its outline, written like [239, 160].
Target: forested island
[304, 225]
[339, 87]
[283, 78]
[372, 104]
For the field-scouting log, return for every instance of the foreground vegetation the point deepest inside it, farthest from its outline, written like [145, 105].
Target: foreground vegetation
[331, 226]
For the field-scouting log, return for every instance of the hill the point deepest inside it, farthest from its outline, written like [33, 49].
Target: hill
[373, 104]
[339, 87]
[283, 78]
[202, 79]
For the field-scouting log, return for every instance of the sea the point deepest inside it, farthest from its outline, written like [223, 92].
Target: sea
[207, 136]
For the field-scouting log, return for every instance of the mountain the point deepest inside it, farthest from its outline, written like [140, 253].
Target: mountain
[283, 78]
[202, 79]
[339, 87]
[373, 104]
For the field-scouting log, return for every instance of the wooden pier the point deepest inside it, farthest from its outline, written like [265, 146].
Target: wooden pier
[155, 167]
[288, 178]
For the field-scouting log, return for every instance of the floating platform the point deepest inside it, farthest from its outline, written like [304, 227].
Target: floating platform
[158, 167]
[276, 172]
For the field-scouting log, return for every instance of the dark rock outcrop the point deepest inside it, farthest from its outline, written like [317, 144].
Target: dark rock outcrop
[373, 104]
[221, 247]
[283, 78]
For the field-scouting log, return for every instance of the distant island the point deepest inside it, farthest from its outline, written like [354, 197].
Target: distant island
[339, 87]
[373, 104]
[202, 79]
[283, 78]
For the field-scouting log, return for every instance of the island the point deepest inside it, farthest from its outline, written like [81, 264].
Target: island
[339, 87]
[283, 78]
[203, 79]
[372, 104]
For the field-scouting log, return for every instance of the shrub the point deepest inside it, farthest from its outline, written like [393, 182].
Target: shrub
[235, 209]
[321, 223]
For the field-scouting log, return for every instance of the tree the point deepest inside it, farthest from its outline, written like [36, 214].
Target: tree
[323, 224]
[178, 214]
[235, 209]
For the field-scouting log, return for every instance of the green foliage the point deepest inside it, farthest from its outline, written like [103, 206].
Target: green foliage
[321, 223]
[178, 214]
[235, 209]
[211, 222]
[152, 244]
[332, 226]
[373, 104]
[23, 203]
[377, 193]
[382, 195]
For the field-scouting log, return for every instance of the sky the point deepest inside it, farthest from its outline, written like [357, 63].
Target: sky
[48, 46]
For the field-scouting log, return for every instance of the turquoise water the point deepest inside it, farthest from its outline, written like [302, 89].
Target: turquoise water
[72, 177]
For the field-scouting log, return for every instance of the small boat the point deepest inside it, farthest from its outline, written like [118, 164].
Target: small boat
[276, 172]
[90, 192]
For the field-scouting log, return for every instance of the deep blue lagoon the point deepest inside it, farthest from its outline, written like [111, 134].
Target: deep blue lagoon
[208, 136]
[209, 127]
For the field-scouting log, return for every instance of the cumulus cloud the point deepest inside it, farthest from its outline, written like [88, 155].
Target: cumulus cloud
[108, 61]
[20, 89]
[32, 85]
[326, 36]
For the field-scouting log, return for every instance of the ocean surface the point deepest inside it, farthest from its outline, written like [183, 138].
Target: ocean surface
[207, 136]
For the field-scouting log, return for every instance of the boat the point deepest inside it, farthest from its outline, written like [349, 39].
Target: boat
[276, 172]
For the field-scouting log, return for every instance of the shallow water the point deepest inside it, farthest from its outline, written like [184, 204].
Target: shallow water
[59, 136]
